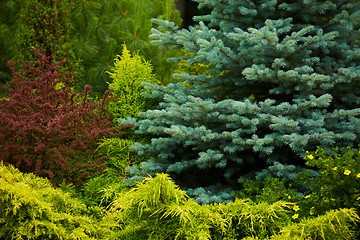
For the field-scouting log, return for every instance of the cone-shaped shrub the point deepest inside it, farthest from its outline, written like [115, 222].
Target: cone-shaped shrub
[45, 25]
[127, 77]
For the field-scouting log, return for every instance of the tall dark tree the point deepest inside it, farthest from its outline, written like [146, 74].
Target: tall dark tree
[8, 24]
[45, 25]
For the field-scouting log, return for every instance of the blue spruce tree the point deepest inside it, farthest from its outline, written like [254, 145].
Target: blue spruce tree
[281, 78]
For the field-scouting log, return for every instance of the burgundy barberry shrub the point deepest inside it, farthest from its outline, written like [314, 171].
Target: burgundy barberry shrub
[46, 128]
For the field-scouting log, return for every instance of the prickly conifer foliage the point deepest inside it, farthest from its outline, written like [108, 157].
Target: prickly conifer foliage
[282, 77]
[47, 129]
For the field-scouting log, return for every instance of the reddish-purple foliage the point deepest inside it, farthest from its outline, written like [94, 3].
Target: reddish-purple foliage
[46, 128]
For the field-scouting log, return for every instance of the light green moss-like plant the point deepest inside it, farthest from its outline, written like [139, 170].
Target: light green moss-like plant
[129, 72]
[157, 209]
[30, 208]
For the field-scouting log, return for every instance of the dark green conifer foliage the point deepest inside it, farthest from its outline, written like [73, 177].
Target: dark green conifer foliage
[88, 33]
[45, 25]
[8, 23]
[283, 78]
[100, 28]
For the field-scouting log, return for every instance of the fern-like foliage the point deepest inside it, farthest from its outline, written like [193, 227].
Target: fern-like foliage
[101, 190]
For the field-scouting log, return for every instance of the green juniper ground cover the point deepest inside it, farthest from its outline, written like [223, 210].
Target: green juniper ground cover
[243, 126]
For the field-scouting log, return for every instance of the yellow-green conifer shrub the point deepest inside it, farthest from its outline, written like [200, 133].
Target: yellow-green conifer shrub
[30, 208]
[334, 224]
[157, 209]
[129, 72]
[127, 77]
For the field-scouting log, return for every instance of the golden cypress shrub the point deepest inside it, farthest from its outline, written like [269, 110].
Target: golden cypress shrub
[30, 208]
[157, 209]
[129, 72]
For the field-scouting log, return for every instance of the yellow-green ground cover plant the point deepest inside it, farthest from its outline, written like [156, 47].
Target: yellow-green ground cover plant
[155, 208]
[30, 208]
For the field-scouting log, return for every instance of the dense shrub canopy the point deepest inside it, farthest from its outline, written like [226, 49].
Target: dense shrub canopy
[127, 77]
[30, 208]
[47, 129]
[157, 209]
